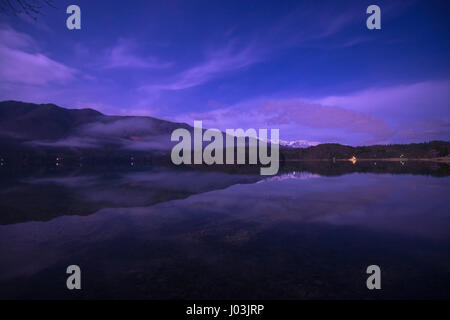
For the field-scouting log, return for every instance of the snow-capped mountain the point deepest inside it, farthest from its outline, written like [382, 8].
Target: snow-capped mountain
[294, 143]
[298, 143]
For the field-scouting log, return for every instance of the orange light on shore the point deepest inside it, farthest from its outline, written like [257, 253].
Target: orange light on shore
[352, 159]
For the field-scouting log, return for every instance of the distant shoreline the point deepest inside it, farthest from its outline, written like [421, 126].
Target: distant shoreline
[439, 159]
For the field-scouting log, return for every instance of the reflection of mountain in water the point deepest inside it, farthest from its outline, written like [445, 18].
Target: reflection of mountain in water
[43, 198]
[283, 239]
[43, 193]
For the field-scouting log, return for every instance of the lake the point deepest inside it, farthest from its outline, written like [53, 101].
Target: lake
[169, 233]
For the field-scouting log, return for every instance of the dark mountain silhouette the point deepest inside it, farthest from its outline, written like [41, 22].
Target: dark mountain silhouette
[42, 121]
[40, 132]
[48, 121]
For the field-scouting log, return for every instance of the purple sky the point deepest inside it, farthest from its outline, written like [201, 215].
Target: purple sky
[311, 69]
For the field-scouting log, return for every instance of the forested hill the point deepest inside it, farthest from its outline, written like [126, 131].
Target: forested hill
[433, 149]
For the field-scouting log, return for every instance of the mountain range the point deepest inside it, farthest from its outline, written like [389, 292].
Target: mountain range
[29, 130]
[48, 125]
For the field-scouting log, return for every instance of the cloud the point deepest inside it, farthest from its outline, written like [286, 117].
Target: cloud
[245, 50]
[427, 130]
[428, 98]
[147, 143]
[296, 111]
[132, 133]
[73, 142]
[22, 64]
[308, 27]
[374, 115]
[223, 60]
[297, 119]
[122, 56]
[132, 126]
[13, 39]
[402, 106]
[34, 69]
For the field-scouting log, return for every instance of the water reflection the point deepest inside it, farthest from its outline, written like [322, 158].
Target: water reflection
[165, 234]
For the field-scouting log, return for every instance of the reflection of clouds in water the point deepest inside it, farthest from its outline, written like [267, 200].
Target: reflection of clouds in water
[384, 203]
[288, 199]
[374, 201]
[236, 215]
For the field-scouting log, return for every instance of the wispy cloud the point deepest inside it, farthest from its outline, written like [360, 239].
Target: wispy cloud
[419, 131]
[239, 52]
[123, 55]
[296, 111]
[72, 142]
[32, 68]
[223, 60]
[428, 98]
[25, 65]
[131, 133]
[13, 39]
[308, 27]
[130, 126]
[402, 106]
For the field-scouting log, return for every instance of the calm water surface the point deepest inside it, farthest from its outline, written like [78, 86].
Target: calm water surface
[172, 234]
